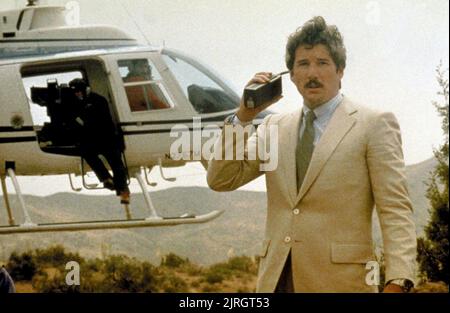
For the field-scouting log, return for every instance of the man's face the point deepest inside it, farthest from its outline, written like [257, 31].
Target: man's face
[315, 75]
[79, 94]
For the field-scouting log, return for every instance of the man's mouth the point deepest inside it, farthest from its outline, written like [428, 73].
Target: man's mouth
[313, 90]
[313, 85]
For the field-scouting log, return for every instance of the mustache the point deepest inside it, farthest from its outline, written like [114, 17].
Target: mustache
[313, 83]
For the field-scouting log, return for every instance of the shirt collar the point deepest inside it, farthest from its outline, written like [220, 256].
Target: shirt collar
[325, 110]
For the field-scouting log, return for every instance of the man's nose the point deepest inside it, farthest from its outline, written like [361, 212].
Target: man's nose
[312, 71]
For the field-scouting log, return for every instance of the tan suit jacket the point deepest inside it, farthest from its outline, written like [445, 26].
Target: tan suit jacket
[356, 165]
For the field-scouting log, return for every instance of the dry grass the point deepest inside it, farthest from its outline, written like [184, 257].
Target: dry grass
[24, 287]
[432, 287]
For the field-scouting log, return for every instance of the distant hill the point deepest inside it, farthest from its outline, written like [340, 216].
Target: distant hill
[239, 231]
[418, 176]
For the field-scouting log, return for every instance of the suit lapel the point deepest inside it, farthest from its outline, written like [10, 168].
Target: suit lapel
[288, 154]
[339, 125]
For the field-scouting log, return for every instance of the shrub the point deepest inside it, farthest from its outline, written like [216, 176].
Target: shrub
[172, 283]
[55, 256]
[242, 264]
[433, 248]
[173, 261]
[22, 267]
[124, 274]
[56, 284]
[215, 275]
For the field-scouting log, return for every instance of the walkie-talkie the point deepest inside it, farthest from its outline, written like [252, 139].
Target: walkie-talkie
[258, 94]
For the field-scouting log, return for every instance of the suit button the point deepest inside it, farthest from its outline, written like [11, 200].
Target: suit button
[296, 211]
[287, 239]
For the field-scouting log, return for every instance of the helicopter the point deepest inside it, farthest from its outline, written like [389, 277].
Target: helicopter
[40, 54]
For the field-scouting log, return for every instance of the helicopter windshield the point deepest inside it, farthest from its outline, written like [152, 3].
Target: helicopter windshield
[205, 90]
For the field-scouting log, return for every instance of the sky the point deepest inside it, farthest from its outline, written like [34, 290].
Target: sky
[393, 48]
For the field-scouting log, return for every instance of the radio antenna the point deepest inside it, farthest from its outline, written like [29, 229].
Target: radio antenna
[134, 22]
[31, 3]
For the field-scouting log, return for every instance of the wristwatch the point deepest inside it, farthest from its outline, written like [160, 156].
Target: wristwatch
[405, 284]
[230, 119]
[234, 120]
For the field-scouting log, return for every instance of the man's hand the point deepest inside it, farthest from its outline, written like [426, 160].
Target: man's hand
[245, 114]
[393, 288]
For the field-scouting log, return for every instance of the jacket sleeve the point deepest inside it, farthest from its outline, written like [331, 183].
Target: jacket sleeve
[6, 282]
[390, 192]
[228, 171]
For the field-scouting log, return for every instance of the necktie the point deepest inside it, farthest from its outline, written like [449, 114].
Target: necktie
[305, 148]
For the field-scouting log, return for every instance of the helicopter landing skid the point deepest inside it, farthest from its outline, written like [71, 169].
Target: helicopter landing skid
[111, 224]
[153, 219]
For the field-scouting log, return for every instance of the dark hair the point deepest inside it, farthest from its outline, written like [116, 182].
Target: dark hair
[78, 84]
[314, 32]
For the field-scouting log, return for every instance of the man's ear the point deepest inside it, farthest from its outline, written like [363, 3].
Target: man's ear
[340, 72]
[291, 74]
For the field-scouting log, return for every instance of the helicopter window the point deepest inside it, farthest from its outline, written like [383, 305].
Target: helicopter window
[143, 85]
[204, 93]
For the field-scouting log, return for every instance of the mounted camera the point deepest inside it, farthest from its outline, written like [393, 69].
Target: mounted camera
[60, 101]
[45, 96]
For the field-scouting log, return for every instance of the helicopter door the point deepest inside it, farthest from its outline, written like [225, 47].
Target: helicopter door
[50, 107]
[53, 105]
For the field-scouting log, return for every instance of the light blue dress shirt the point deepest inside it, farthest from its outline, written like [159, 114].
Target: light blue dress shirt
[323, 115]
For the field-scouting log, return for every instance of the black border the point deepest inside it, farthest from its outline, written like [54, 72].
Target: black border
[171, 302]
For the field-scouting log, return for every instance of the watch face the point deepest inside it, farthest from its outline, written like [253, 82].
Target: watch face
[229, 119]
[405, 284]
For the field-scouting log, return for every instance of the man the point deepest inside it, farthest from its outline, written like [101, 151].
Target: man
[338, 159]
[142, 97]
[98, 137]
